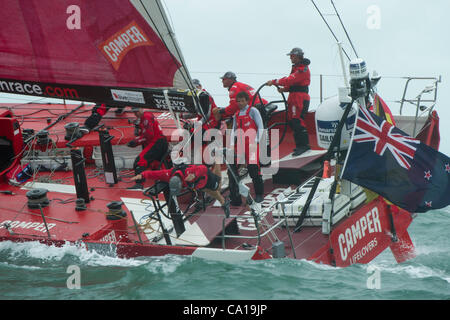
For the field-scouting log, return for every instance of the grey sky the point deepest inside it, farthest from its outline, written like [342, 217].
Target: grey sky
[252, 37]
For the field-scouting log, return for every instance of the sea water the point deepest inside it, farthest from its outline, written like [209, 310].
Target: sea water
[35, 271]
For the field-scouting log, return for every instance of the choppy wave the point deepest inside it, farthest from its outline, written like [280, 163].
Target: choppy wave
[32, 270]
[41, 253]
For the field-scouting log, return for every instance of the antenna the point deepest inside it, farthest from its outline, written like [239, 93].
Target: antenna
[343, 27]
[346, 83]
[323, 18]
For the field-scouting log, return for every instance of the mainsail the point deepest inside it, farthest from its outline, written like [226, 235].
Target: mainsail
[118, 52]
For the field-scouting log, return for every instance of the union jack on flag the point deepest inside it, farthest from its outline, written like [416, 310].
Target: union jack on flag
[385, 137]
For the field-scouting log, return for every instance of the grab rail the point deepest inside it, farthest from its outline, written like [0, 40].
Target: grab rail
[259, 235]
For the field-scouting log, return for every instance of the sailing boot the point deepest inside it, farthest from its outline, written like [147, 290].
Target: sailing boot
[236, 199]
[258, 183]
[304, 141]
[297, 133]
[301, 139]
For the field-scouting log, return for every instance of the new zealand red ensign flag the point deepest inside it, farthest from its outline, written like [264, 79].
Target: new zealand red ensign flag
[384, 159]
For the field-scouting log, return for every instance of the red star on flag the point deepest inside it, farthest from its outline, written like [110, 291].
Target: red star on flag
[428, 175]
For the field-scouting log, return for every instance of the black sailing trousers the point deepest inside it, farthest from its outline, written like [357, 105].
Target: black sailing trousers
[255, 174]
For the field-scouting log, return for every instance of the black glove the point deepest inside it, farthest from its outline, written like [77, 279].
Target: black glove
[92, 121]
[132, 144]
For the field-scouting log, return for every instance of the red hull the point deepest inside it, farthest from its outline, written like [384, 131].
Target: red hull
[358, 238]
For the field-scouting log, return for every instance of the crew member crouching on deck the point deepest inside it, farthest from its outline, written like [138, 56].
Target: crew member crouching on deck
[98, 111]
[297, 84]
[197, 177]
[155, 145]
[248, 129]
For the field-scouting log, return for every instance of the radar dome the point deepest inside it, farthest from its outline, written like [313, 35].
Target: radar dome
[328, 115]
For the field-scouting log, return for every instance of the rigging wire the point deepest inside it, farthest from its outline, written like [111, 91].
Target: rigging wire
[189, 82]
[185, 73]
[331, 30]
[168, 13]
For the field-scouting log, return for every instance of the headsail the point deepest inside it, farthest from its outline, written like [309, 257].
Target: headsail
[118, 52]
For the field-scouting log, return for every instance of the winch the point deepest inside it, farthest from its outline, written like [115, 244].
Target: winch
[37, 198]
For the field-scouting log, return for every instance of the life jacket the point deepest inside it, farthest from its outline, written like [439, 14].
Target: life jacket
[298, 80]
[297, 84]
[302, 77]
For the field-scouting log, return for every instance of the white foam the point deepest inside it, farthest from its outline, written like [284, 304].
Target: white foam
[10, 265]
[167, 264]
[46, 253]
[415, 272]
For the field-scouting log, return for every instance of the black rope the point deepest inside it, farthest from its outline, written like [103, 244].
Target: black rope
[348, 57]
[285, 124]
[60, 118]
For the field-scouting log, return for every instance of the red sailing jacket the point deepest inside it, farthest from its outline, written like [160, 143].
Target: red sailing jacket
[300, 77]
[233, 91]
[150, 130]
[200, 172]
[245, 138]
[102, 109]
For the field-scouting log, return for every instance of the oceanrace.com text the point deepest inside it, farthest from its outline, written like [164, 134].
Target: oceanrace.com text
[36, 89]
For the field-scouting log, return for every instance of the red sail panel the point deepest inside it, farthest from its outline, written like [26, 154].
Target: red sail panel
[107, 43]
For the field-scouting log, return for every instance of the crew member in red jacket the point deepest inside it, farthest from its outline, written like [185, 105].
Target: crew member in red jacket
[297, 84]
[208, 106]
[234, 87]
[153, 141]
[98, 111]
[198, 177]
[202, 126]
